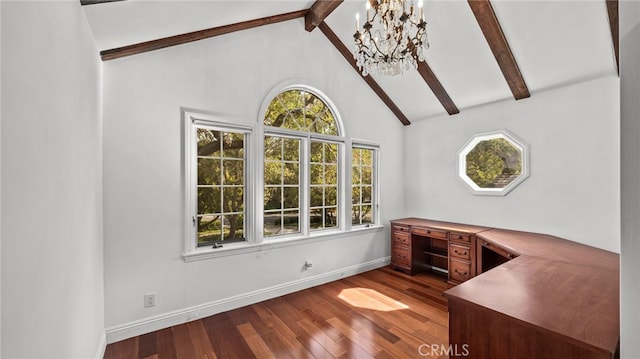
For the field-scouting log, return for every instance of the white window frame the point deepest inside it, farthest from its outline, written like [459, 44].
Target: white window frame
[193, 121]
[254, 181]
[344, 217]
[375, 193]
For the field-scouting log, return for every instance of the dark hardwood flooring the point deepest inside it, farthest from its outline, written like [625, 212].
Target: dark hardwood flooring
[377, 314]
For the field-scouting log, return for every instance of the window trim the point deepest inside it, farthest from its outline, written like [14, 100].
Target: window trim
[344, 218]
[254, 181]
[375, 193]
[191, 122]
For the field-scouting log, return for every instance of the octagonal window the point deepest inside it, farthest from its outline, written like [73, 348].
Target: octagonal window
[493, 163]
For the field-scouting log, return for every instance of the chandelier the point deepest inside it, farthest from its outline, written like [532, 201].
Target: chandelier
[392, 39]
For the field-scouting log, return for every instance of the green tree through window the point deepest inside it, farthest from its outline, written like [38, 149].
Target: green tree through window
[491, 160]
[221, 167]
[301, 133]
[362, 185]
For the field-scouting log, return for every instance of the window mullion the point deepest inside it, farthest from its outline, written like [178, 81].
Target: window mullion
[305, 185]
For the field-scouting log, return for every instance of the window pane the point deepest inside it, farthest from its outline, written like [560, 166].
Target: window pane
[233, 225]
[275, 113]
[367, 215]
[330, 153]
[208, 200]
[208, 171]
[331, 196]
[291, 149]
[273, 173]
[209, 229]
[233, 145]
[233, 172]
[355, 175]
[330, 217]
[301, 110]
[291, 198]
[316, 152]
[317, 174]
[208, 142]
[355, 215]
[272, 148]
[233, 199]
[272, 198]
[331, 174]
[362, 191]
[316, 218]
[272, 223]
[291, 173]
[291, 222]
[366, 194]
[366, 175]
[367, 157]
[316, 197]
[355, 195]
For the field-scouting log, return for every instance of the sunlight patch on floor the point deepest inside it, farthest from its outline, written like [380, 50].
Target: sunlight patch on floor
[370, 299]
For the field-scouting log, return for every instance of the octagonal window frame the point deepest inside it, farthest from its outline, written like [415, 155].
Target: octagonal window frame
[471, 144]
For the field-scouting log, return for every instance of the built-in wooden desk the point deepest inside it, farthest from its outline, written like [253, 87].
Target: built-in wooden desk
[552, 298]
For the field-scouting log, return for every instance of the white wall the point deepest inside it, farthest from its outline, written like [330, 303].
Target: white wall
[573, 187]
[630, 177]
[143, 170]
[52, 255]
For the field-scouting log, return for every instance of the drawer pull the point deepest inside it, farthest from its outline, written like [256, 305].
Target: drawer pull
[461, 273]
[456, 252]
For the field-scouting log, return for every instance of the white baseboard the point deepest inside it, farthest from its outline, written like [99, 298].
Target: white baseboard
[147, 325]
[102, 345]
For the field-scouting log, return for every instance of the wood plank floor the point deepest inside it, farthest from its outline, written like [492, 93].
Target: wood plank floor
[377, 314]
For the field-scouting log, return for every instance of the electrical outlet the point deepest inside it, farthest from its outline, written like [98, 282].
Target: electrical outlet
[149, 300]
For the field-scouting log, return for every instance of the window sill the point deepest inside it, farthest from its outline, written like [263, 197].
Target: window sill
[232, 249]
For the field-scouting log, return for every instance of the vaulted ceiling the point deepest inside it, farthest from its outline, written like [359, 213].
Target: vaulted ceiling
[480, 51]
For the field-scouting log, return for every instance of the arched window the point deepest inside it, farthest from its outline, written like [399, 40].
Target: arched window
[302, 164]
[295, 174]
[301, 110]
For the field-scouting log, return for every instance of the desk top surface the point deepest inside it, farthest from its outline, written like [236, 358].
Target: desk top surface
[554, 284]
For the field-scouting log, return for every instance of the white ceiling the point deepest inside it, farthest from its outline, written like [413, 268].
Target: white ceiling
[555, 43]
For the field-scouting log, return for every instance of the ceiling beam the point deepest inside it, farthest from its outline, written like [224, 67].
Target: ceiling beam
[612, 10]
[436, 87]
[318, 12]
[486, 17]
[430, 78]
[197, 35]
[326, 30]
[95, 2]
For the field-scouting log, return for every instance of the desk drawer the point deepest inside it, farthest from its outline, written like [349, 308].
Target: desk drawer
[460, 237]
[459, 251]
[400, 256]
[400, 238]
[399, 228]
[459, 271]
[428, 232]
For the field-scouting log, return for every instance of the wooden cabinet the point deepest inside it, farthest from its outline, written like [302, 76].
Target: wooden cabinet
[531, 296]
[462, 257]
[401, 248]
[431, 246]
[490, 256]
[447, 249]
